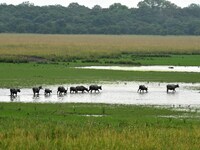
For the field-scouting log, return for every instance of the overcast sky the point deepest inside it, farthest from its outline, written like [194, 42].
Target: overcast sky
[91, 3]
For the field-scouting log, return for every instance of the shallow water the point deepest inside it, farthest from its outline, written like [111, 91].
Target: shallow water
[116, 93]
[148, 68]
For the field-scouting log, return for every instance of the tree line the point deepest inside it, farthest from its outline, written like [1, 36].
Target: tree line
[151, 17]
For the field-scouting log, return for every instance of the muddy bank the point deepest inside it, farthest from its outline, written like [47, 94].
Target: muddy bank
[115, 93]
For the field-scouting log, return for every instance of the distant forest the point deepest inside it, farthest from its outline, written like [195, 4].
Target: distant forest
[151, 17]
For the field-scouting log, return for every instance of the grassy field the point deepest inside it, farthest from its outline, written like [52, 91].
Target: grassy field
[108, 49]
[68, 126]
[30, 74]
[47, 60]
[53, 55]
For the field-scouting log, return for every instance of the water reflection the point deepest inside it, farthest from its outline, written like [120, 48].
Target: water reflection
[142, 93]
[61, 97]
[172, 93]
[47, 95]
[36, 98]
[14, 98]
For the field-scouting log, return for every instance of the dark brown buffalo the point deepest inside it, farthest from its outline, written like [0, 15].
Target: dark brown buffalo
[61, 90]
[36, 90]
[142, 88]
[82, 89]
[94, 88]
[13, 92]
[47, 91]
[73, 90]
[172, 87]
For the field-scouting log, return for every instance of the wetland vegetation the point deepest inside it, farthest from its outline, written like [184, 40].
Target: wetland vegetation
[31, 59]
[96, 126]
[31, 74]
[34, 59]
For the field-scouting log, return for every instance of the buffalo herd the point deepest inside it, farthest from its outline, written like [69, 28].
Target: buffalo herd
[171, 87]
[62, 90]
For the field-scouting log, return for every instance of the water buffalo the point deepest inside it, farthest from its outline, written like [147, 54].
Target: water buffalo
[47, 91]
[81, 88]
[36, 90]
[94, 88]
[13, 92]
[142, 88]
[172, 87]
[73, 90]
[61, 90]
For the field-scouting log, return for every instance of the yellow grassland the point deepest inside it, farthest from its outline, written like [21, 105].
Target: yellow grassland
[87, 45]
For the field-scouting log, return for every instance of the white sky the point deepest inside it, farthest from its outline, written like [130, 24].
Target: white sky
[91, 3]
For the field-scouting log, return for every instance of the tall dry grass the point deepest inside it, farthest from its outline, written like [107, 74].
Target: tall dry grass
[58, 137]
[94, 45]
[65, 126]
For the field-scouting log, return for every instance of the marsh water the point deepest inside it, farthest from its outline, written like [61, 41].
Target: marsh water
[115, 93]
[148, 68]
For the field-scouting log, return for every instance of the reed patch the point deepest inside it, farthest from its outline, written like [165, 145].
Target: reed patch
[61, 126]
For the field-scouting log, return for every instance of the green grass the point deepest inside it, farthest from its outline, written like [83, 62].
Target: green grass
[177, 60]
[165, 59]
[64, 126]
[30, 74]
[133, 59]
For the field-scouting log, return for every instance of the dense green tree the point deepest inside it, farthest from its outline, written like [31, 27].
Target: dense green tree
[154, 17]
[156, 4]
